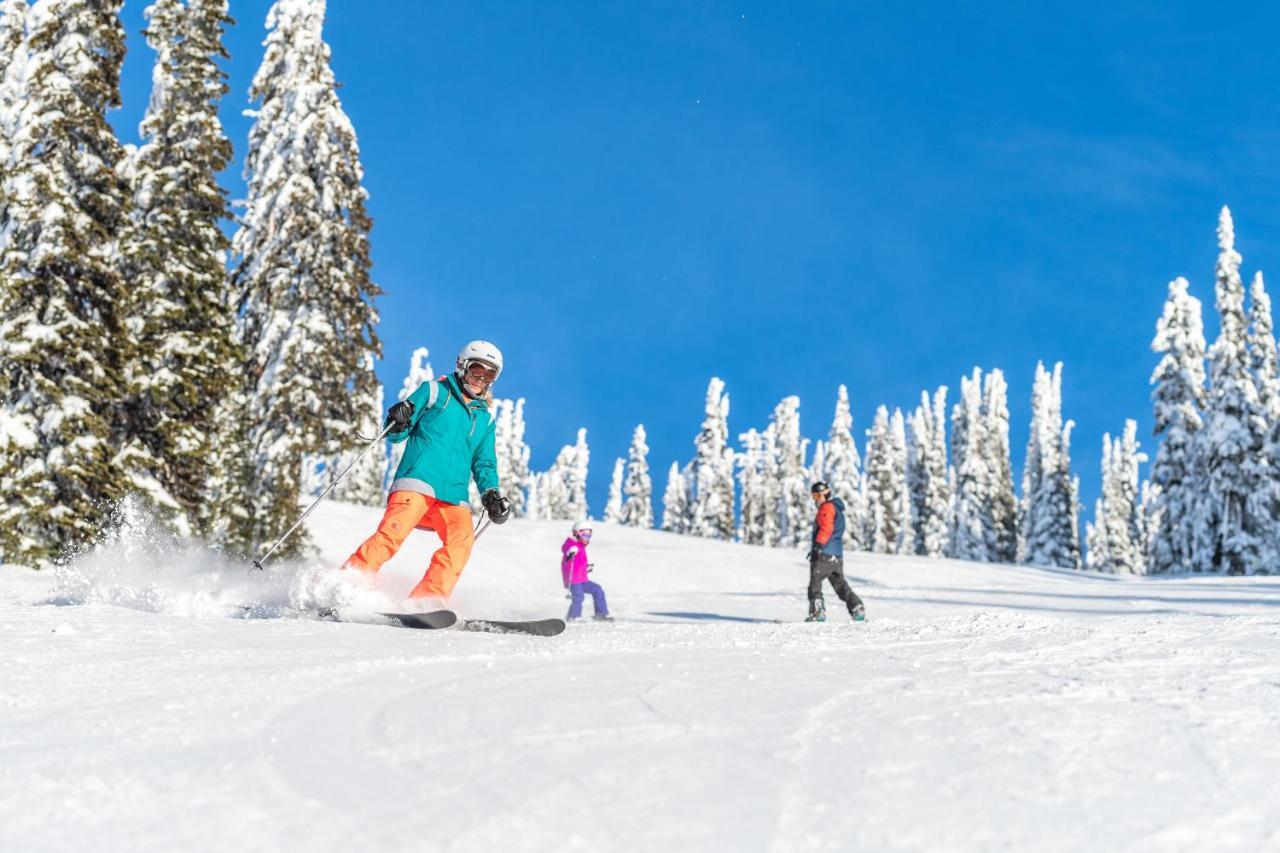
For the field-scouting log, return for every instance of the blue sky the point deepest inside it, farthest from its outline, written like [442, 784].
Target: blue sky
[630, 197]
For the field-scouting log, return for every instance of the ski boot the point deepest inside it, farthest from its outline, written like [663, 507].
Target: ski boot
[858, 613]
[602, 617]
[817, 611]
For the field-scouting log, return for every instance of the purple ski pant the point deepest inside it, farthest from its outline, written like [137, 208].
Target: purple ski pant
[577, 590]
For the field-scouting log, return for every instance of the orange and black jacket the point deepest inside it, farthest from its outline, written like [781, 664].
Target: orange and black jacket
[828, 528]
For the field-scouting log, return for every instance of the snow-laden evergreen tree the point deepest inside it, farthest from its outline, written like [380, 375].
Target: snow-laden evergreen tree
[637, 505]
[927, 475]
[577, 478]
[1265, 502]
[888, 499]
[675, 510]
[556, 487]
[818, 465]
[1262, 349]
[419, 372]
[1116, 536]
[365, 483]
[904, 539]
[180, 358]
[793, 506]
[59, 322]
[613, 506]
[513, 454]
[1178, 395]
[302, 273]
[972, 528]
[536, 507]
[844, 471]
[1004, 505]
[709, 476]
[752, 473]
[13, 83]
[1048, 515]
[1231, 443]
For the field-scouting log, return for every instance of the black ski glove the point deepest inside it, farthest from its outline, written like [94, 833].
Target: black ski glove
[498, 507]
[400, 415]
[813, 554]
[591, 567]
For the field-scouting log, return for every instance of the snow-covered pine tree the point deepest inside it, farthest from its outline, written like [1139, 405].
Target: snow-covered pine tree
[904, 537]
[753, 504]
[1178, 394]
[1266, 376]
[637, 506]
[886, 486]
[818, 465]
[675, 511]
[613, 506]
[793, 507]
[577, 478]
[419, 372]
[513, 454]
[302, 273]
[844, 471]
[1262, 349]
[1048, 516]
[59, 323]
[535, 507]
[13, 83]
[1116, 536]
[1004, 505]
[972, 528]
[1231, 443]
[181, 361]
[927, 473]
[710, 475]
[365, 484]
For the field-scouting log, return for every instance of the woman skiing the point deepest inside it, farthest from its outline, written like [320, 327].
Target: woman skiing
[449, 429]
[574, 568]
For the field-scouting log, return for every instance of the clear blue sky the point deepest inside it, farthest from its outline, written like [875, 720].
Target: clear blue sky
[631, 196]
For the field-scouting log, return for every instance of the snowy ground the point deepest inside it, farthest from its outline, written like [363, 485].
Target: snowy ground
[980, 708]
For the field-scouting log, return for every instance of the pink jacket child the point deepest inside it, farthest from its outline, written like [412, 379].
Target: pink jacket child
[574, 568]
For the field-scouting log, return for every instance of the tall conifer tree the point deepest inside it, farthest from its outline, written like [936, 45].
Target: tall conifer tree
[302, 274]
[637, 505]
[1178, 393]
[1231, 444]
[59, 319]
[181, 358]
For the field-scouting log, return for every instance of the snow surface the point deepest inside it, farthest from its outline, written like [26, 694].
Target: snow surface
[980, 707]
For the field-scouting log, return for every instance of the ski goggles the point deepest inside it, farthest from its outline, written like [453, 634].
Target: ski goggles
[480, 371]
[583, 534]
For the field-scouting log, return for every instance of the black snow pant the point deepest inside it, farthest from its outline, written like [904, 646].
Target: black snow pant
[830, 569]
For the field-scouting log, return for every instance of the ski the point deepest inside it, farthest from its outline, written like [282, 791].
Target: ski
[536, 627]
[434, 620]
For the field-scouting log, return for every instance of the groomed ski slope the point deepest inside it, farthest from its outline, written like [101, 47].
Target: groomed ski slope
[981, 707]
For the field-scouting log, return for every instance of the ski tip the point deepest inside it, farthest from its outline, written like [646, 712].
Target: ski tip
[433, 620]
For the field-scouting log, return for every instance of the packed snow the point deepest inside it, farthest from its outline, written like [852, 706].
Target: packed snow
[154, 696]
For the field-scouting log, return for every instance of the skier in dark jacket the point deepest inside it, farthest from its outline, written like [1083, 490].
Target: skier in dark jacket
[826, 557]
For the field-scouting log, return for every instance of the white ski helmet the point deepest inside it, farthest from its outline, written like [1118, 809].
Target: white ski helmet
[480, 351]
[583, 525]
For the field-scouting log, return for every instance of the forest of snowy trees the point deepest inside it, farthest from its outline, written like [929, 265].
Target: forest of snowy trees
[1211, 502]
[142, 351]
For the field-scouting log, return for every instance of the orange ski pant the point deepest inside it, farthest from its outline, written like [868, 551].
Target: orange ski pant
[407, 511]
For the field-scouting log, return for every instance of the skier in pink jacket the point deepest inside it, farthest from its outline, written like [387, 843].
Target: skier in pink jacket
[574, 569]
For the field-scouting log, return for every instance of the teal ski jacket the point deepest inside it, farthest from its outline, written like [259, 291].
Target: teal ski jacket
[450, 440]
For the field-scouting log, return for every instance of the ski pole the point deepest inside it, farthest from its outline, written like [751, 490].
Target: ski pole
[257, 564]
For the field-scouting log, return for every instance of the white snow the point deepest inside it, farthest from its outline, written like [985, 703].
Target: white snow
[981, 707]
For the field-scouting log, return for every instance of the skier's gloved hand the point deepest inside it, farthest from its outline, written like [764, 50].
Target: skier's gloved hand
[591, 567]
[498, 507]
[400, 416]
[813, 554]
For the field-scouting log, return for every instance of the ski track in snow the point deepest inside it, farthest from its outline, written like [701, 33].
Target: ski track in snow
[980, 708]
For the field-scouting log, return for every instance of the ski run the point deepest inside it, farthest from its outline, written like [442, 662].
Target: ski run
[981, 707]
